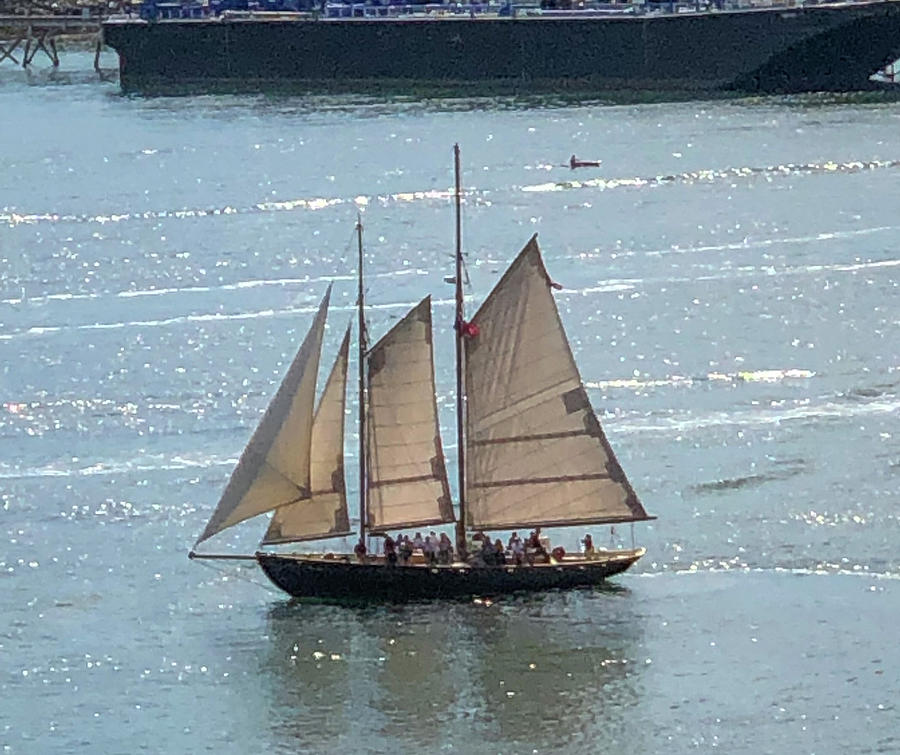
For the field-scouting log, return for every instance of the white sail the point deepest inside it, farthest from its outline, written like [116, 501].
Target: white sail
[324, 514]
[407, 478]
[274, 470]
[535, 452]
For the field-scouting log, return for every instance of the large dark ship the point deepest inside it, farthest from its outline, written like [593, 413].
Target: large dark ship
[630, 48]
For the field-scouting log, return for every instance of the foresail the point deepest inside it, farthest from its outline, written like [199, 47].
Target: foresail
[407, 478]
[274, 468]
[535, 451]
[324, 514]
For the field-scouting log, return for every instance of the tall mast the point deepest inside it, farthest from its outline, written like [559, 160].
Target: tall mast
[360, 303]
[460, 409]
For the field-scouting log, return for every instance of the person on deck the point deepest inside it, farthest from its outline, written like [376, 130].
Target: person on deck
[431, 549]
[390, 550]
[499, 553]
[534, 550]
[588, 543]
[488, 553]
[360, 550]
[405, 548]
[418, 542]
[517, 547]
[445, 550]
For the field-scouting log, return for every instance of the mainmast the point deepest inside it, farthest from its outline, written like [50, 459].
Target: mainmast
[460, 408]
[360, 303]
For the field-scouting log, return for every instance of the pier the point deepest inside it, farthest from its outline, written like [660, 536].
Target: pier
[24, 35]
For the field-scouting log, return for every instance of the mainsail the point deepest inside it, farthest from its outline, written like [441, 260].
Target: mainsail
[274, 469]
[324, 514]
[407, 478]
[535, 451]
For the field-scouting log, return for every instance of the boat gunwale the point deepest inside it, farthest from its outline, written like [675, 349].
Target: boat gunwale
[603, 557]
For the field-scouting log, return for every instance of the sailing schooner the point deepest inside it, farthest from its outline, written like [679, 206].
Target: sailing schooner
[532, 452]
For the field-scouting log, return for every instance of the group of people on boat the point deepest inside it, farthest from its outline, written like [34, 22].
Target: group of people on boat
[434, 550]
[532, 550]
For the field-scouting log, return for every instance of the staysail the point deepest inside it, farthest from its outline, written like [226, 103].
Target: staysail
[274, 468]
[535, 451]
[407, 478]
[324, 514]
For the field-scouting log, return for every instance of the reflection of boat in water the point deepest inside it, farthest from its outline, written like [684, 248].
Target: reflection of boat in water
[485, 675]
[531, 452]
[442, 47]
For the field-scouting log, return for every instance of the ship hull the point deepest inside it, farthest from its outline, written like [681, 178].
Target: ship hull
[344, 579]
[816, 48]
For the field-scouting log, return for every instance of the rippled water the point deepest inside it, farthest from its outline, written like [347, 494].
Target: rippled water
[731, 279]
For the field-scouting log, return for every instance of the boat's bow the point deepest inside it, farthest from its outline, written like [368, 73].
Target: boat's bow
[847, 44]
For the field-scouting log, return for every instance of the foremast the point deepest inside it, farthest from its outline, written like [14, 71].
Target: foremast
[459, 323]
[360, 303]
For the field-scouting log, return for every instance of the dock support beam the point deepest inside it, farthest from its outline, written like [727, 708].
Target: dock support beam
[39, 32]
[7, 51]
[45, 37]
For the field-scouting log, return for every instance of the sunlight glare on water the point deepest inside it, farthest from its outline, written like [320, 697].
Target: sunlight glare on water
[730, 278]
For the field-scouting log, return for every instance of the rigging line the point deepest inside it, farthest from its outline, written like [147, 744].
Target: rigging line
[237, 575]
[463, 254]
[300, 489]
[351, 242]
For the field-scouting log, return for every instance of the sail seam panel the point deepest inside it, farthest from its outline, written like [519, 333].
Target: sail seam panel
[531, 438]
[385, 482]
[381, 526]
[541, 480]
[305, 538]
[516, 525]
[514, 405]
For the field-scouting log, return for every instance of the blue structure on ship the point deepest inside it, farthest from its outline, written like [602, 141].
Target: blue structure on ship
[154, 10]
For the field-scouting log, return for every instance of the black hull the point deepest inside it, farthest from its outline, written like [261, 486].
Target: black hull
[345, 580]
[772, 50]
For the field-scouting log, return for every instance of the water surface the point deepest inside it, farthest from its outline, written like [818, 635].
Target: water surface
[730, 280]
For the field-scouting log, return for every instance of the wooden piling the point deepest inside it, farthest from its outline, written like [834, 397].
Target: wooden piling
[7, 52]
[26, 59]
[39, 33]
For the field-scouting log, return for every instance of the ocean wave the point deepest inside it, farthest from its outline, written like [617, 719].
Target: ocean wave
[13, 217]
[709, 566]
[116, 467]
[782, 469]
[311, 204]
[716, 175]
[236, 286]
[743, 376]
[598, 287]
[733, 483]
[687, 422]
[36, 331]
[681, 423]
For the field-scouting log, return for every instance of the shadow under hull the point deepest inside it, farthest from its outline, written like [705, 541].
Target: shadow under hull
[833, 48]
[346, 580]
